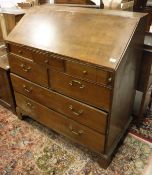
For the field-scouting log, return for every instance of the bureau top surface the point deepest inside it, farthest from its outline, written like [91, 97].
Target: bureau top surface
[95, 36]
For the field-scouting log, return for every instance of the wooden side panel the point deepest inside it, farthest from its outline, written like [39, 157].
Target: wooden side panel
[124, 86]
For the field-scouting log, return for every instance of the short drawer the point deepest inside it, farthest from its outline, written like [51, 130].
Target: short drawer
[28, 70]
[84, 114]
[61, 124]
[48, 60]
[81, 70]
[93, 94]
[88, 72]
[21, 51]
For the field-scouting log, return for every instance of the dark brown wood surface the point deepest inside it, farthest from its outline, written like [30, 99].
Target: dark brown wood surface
[61, 124]
[89, 67]
[90, 39]
[27, 69]
[125, 84]
[6, 92]
[145, 79]
[79, 112]
[48, 60]
[95, 95]
[144, 6]
[89, 73]
[21, 51]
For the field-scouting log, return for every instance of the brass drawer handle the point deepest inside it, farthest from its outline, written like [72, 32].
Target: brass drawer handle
[20, 52]
[74, 112]
[109, 79]
[84, 72]
[24, 68]
[78, 133]
[27, 89]
[77, 82]
[30, 105]
[46, 61]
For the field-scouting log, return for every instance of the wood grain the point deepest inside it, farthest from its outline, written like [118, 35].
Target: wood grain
[61, 124]
[95, 95]
[27, 69]
[84, 114]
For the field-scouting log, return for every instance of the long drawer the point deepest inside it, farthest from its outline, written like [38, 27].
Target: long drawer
[28, 69]
[61, 124]
[93, 94]
[84, 114]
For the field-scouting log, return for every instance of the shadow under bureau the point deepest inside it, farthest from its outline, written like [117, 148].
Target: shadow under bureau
[74, 70]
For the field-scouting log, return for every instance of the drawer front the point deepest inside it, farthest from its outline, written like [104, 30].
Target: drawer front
[48, 60]
[61, 124]
[87, 72]
[79, 112]
[20, 50]
[81, 70]
[95, 95]
[28, 70]
[104, 77]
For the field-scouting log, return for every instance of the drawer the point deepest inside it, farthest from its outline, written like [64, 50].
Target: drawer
[61, 124]
[48, 60]
[79, 112]
[81, 70]
[104, 77]
[95, 95]
[21, 51]
[87, 72]
[28, 70]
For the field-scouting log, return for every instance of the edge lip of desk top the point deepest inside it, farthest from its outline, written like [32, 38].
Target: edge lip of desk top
[79, 33]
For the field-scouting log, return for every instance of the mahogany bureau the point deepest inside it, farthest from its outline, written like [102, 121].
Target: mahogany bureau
[74, 70]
